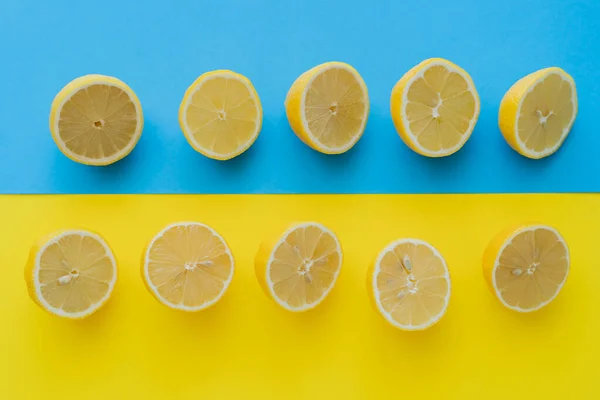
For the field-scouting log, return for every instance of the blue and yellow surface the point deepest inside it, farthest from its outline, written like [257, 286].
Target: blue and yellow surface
[245, 346]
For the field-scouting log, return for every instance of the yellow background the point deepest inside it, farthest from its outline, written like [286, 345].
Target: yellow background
[247, 347]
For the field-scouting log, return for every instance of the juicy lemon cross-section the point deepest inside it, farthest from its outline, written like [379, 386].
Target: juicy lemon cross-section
[409, 284]
[526, 266]
[327, 107]
[220, 114]
[536, 114]
[96, 120]
[71, 273]
[435, 107]
[188, 266]
[299, 268]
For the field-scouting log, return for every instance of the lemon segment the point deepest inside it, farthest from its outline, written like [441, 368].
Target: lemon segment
[435, 107]
[71, 273]
[220, 114]
[188, 266]
[299, 268]
[536, 114]
[327, 107]
[96, 120]
[526, 266]
[409, 284]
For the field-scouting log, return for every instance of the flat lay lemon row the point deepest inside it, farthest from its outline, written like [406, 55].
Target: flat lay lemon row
[189, 266]
[98, 120]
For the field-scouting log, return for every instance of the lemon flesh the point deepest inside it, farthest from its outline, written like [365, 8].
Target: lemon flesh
[526, 267]
[327, 107]
[72, 274]
[299, 268]
[410, 284]
[96, 120]
[536, 114]
[221, 114]
[188, 266]
[435, 107]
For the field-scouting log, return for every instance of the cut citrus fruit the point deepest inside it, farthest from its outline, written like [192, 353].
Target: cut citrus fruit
[526, 266]
[96, 120]
[410, 284]
[71, 274]
[220, 114]
[435, 107]
[188, 266]
[327, 107]
[536, 114]
[299, 268]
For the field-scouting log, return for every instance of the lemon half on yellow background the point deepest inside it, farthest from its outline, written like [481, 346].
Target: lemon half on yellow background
[188, 266]
[299, 267]
[71, 273]
[526, 266]
[409, 284]
[435, 107]
[96, 120]
[537, 113]
[327, 107]
[220, 114]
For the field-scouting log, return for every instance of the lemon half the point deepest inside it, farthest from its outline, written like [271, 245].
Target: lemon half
[327, 107]
[71, 273]
[526, 266]
[435, 107]
[299, 267]
[188, 266]
[220, 114]
[96, 120]
[409, 284]
[536, 114]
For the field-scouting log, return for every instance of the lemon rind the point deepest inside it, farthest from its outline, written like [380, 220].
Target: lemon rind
[282, 239]
[505, 244]
[183, 307]
[376, 294]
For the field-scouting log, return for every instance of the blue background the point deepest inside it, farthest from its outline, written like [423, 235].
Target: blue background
[160, 47]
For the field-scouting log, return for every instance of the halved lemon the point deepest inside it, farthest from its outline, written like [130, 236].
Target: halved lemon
[299, 268]
[536, 114]
[526, 266]
[71, 273]
[96, 120]
[410, 284]
[327, 107]
[435, 107]
[220, 114]
[188, 266]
